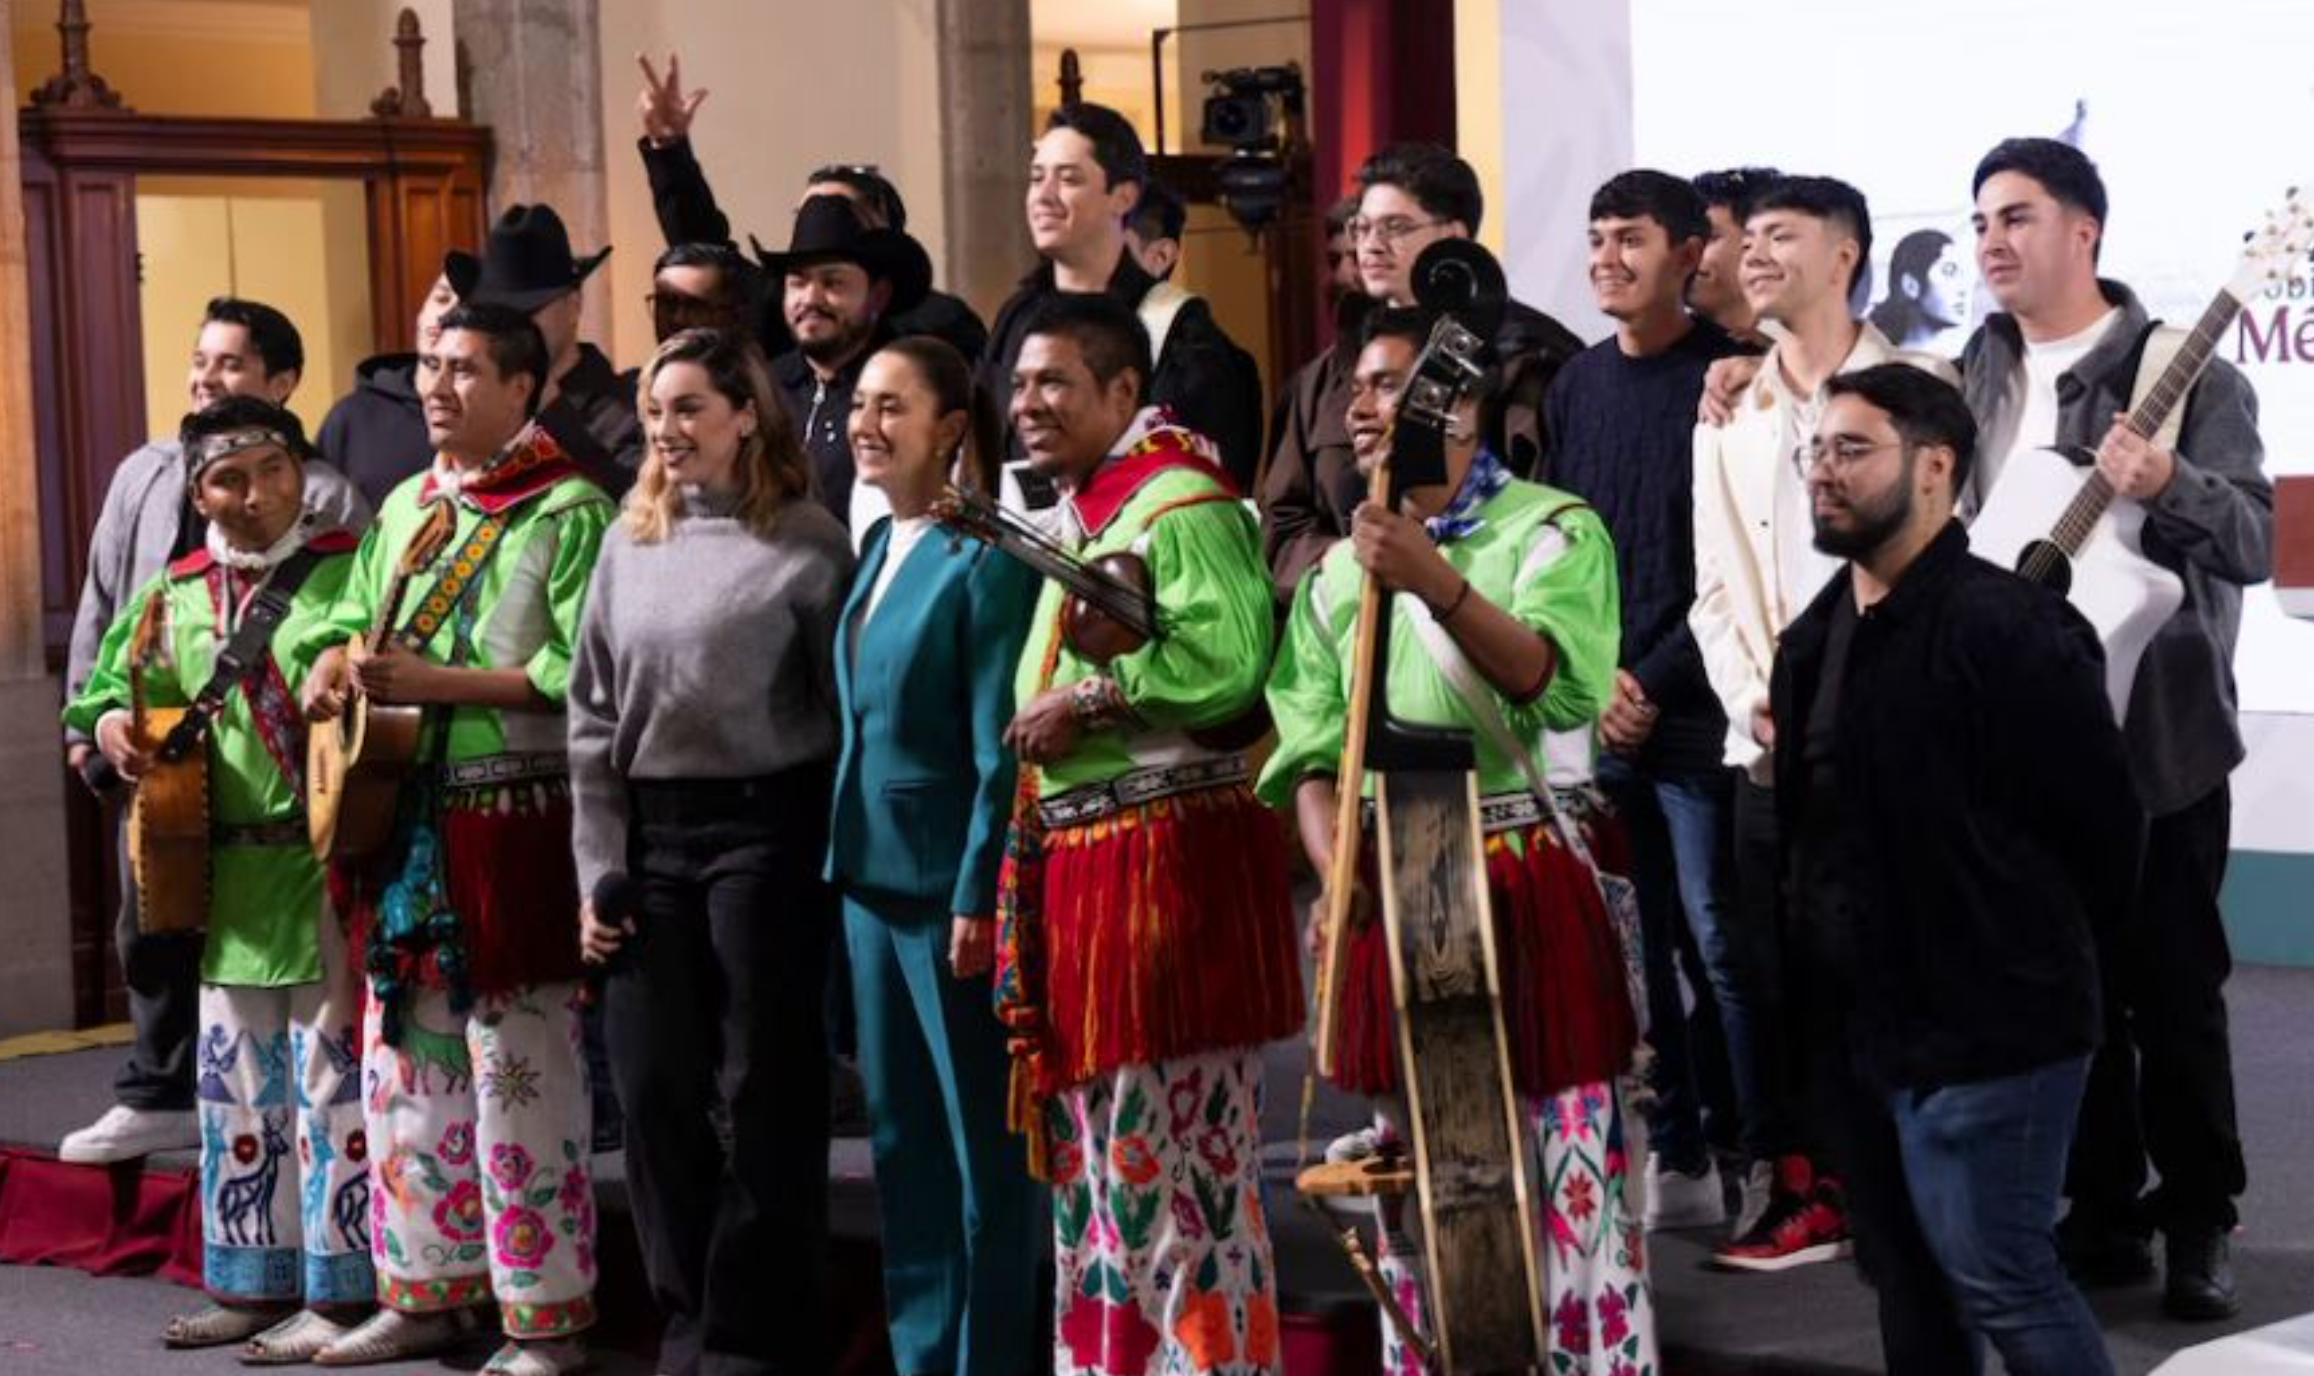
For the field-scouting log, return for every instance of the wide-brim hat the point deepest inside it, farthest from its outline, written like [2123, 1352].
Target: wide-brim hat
[525, 263]
[828, 230]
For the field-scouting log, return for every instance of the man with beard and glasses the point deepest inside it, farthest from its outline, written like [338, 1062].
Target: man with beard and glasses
[843, 282]
[1960, 811]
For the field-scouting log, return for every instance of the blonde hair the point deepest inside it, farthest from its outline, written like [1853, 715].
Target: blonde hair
[771, 470]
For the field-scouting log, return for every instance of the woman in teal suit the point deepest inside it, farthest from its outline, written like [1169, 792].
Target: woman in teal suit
[925, 656]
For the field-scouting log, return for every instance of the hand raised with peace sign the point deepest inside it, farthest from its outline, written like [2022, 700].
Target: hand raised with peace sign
[665, 110]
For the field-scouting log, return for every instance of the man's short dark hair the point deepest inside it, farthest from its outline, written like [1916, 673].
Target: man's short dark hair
[1105, 330]
[1923, 408]
[1160, 213]
[1116, 146]
[239, 412]
[516, 345]
[1338, 219]
[721, 257]
[1441, 183]
[276, 341]
[1734, 188]
[1644, 193]
[1828, 199]
[2063, 171]
[870, 183]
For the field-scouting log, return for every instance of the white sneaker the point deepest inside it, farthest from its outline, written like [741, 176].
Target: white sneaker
[125, 1133]
[1759, 1186]
[1676, 1199]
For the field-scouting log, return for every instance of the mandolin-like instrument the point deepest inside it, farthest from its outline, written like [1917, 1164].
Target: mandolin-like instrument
[356, 764]
[169, 813]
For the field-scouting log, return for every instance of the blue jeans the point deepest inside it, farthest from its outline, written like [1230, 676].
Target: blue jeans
[1679, 830]
[1976, 1205]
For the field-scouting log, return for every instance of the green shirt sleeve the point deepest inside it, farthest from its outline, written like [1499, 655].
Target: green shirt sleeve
[1213, 596]
[1566, 592]
[107, 688]
[578, 542]
[1307, 698]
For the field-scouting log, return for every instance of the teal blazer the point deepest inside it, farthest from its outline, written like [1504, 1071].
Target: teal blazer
[924, 784]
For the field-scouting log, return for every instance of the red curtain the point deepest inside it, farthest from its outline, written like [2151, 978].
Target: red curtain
[1382, 71]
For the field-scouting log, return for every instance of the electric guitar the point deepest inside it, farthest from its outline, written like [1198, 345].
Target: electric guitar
[2052, 515]
[356, 764]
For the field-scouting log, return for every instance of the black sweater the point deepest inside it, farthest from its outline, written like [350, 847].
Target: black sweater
[1984, 826]
[1621, 435]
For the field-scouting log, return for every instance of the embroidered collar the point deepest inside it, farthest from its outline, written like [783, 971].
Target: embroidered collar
[530, 463]
[1482, 484]
[255, 562]
[1154, 443]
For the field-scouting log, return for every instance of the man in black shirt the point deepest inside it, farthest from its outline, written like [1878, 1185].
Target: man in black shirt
[1960, 808]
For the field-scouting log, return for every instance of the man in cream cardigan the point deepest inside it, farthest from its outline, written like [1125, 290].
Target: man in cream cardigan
[1757, 567]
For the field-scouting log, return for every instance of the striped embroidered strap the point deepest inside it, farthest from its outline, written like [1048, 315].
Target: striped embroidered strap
[443, 597]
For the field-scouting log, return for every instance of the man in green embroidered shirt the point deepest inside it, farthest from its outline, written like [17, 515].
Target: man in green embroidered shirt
[468, 923]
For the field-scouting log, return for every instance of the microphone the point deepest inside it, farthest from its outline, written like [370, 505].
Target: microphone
[100, 774]
[618, 901]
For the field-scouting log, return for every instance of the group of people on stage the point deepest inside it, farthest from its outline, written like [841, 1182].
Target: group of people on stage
[721, 730]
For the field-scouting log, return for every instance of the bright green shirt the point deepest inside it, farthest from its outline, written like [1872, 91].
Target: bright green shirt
[1556, 576]
[265, 901]
[1206, 669]
[523, 610]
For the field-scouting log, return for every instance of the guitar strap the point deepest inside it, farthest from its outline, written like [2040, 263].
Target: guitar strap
[441, 599]
[244, 654]
[2162, 344]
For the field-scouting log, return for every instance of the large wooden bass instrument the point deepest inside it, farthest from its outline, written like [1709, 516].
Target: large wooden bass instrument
[1469, 1147]
[355, 765]
[169, 813]
[2052, 516]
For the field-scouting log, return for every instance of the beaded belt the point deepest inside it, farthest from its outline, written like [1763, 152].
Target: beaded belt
[1093, 802]
[1499, 812]
[505, 769]
[288, 831]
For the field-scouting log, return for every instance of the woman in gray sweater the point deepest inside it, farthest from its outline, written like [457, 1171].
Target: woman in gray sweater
[703, 733]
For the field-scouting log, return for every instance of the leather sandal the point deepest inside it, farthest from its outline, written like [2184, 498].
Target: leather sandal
[555, 1357]
[393, 1336]
[293, 1341]
[218, 1325]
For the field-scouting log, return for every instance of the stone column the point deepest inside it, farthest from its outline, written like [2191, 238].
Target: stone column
[35, 931]
[532, 71]
[985, 103]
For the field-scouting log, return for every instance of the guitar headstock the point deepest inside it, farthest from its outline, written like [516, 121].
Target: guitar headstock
[2271, 253]
[1464, 284]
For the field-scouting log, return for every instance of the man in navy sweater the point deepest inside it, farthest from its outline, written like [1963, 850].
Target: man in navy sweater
[1619, 419]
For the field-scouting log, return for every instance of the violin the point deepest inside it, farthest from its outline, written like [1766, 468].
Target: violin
[1111, 604]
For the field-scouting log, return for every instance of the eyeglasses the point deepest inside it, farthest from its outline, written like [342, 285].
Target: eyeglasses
[673, 308]
[1840, 455]
[1389, 229]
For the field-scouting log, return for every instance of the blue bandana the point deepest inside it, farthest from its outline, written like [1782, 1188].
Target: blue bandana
[1460, 520]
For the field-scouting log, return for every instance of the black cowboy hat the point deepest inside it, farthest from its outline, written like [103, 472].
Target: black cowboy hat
[828, 230]
[525, 263]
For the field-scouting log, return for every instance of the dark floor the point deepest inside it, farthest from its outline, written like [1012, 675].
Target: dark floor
[1813, 1322]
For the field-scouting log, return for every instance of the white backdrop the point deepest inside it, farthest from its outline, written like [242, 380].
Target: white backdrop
[2195, 115]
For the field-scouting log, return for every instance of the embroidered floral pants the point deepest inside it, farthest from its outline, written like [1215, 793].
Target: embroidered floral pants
[479, 1129]
[1162, 1250]
[1601, 1320]
[285, 1183]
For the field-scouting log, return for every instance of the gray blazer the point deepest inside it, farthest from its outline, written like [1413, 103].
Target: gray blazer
[2213, 526]
[137, 528]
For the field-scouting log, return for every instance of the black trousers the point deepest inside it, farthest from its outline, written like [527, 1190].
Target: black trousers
[2162, 1087]
[163, 974]
[1760, 929]
[721, 1000]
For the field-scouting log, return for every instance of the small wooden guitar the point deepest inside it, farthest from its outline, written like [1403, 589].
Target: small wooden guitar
[169, 815]
[355, 765]
[2052, 516]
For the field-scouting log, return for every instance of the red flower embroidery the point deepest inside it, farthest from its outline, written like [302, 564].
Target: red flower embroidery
[1579, 1198]
[522, 1239]
[245, 1148]
[1261, 1331]
[357, 1146]
[1204, 1330]
[1574, 1320]
[1108, 1337]
[1133, 1159]
[1614, 1321]
[1219, 1152]
[1067, 1163]
[459, 1213]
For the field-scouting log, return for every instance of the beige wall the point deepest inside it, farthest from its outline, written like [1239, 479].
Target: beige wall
[184, 57]
[859, 83]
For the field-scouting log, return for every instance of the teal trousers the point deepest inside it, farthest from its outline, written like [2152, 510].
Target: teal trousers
[962, 1220]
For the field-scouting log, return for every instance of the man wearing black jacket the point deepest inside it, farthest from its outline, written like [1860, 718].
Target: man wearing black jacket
[1085, 176]
[376, 433]
[1410, 196]
[1960, 811]
[688, 213]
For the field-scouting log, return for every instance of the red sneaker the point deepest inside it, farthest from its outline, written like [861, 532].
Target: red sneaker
[1806, 1222]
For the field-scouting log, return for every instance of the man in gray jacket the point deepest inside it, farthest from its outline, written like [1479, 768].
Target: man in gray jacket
[2058, 367]
[245, 348]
